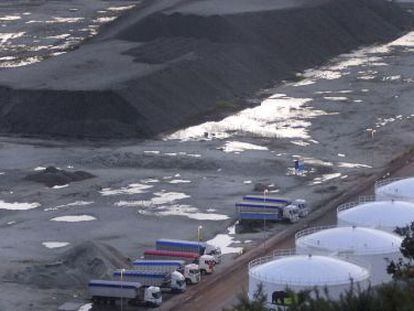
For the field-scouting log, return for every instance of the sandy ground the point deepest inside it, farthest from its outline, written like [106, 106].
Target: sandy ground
[146, 190]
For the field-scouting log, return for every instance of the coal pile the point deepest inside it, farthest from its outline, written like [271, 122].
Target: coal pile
[52, 176]
[74, 268]
[181, 66]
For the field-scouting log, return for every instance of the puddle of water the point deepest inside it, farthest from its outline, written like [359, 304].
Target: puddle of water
[76, 203]
[225, 240]
[276, 117]
[179, 181]
[336, 98]
[73, 218]
[353, 165]
[238, 146]
[130, 189]
[16, 206]
[324, 178]
[121, 8]
[188, 211]
[60, 186]
[150, 181]
[300, 143]
[55, 244]
[86, 307]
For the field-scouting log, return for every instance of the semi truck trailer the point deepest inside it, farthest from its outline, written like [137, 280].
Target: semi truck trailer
[202, 248]
[205, 263]
[191, 271]
[104, 291]
[301, 204]
[250, 210]
[173, 281]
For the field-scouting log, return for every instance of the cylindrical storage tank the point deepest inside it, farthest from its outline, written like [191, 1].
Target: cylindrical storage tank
[383, 215]
[395, 189]
[369, 245]
[303, 272]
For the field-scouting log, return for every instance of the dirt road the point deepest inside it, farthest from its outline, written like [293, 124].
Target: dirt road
[221, 290]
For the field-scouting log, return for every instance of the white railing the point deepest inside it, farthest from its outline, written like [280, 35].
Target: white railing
[362, 199]
[386, 181]
[311, 230]
[326, 280]
[346, 206]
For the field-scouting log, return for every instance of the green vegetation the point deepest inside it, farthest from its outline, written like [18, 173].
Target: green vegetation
[225, 105]
[397, 295]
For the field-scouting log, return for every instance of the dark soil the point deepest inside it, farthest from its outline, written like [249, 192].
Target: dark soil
[52, 176]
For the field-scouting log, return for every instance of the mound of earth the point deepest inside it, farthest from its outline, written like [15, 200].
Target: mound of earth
[74, 268]
[53, 176]
[169, 64]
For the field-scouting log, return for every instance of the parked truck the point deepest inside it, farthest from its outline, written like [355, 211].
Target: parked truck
[191, 271]
[104, 291]
[205, 263]
[202, 248]
[174, 281]
[301, 204]
[250, 210]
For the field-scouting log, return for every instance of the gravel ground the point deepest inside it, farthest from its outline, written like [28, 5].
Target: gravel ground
[150, 189]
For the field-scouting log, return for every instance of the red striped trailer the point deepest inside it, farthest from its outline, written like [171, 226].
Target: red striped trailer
[206, 263]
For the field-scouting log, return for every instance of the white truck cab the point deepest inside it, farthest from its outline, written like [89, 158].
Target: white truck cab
[214, 251]
[192, 273]
[153, 296]
[291, 213]
[206, 264]
[178, 283]
[302, 207]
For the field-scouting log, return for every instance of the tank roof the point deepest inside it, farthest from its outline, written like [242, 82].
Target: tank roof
[309, 270]
[398, 188]
[379, 214]
[358, 240]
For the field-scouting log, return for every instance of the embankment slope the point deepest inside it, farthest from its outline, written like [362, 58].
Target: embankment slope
[173, 66]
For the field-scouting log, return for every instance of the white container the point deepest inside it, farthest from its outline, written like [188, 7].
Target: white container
[395, 189]
[369, 245]
[383, 215]
[304, 272]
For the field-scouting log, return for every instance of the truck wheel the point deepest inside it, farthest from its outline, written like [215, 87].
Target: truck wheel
[187, 281]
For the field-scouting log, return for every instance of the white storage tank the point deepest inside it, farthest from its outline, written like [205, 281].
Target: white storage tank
[303, 272]
[395, 189]
[383, 215]
[356, 243]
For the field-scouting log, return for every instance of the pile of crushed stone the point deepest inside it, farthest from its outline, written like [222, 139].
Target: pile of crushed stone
[53, 176]
[74, 268]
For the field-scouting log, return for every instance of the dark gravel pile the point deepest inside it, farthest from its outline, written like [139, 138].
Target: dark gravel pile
[53, 176]
[203, 61]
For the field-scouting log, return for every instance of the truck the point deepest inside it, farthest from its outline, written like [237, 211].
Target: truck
[250, 210]
[174, 281]
[299, 203]
[105, 291]
[205, 263]
[190, 271]
[202, 248]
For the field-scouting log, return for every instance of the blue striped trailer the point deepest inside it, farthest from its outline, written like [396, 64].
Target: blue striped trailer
[159, 265]
[301, 204]
[110, 291]
[174, 281]
[250, 210]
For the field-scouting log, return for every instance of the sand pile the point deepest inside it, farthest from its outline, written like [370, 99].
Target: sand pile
[53, 176]
[170, 69]
[74, 268]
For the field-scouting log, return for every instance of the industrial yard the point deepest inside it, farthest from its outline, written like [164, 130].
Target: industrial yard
[72, 211]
